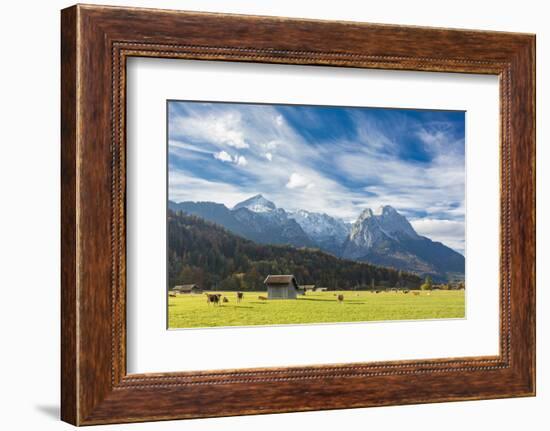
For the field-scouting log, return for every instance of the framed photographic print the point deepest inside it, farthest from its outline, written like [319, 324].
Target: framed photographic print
[268, 215]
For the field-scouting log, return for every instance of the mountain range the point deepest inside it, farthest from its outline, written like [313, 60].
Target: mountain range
[381, 237]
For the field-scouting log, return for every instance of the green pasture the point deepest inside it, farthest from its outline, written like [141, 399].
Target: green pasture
[192, 310]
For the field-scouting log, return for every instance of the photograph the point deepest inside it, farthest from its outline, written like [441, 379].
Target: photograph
[298, 214]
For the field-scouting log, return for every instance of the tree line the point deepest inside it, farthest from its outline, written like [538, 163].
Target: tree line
[206, 254]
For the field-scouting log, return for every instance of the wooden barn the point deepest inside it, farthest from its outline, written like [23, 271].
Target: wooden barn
[187, 288]
[281, 287]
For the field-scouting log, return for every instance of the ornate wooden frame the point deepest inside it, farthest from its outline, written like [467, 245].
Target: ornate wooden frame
[96, 41]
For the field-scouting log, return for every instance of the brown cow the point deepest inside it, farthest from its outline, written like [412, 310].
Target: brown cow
[213, 298]
[263, 298]
[340, 299]
[240, 296]
[225, 299]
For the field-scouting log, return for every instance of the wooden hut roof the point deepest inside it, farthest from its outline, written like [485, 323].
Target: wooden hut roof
[281, 280]
[185, 287]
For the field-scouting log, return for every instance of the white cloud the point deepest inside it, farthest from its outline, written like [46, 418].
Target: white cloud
[224, 156]
[269, 156]
[449, 232]
[297, 181]
[218, 128]
[241, 160]
[279, 120]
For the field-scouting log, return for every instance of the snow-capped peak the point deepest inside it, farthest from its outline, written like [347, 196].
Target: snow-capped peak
[387, 220]
[321, 226]
[257, 204]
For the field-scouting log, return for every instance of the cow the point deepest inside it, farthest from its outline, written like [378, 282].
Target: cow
[213, 298]
[172, 295]
[340, 298]
[263, 298]
[377, 291]
[240, 296]
[225, 299]
[405, 291]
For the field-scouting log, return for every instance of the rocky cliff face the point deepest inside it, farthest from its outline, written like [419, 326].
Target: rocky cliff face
[385, 237]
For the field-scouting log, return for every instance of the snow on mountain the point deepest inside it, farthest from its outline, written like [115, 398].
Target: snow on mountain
[257, 204]
[325, 231]
[321, 227]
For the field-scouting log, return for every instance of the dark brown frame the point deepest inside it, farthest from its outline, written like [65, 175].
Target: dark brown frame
[96, 41]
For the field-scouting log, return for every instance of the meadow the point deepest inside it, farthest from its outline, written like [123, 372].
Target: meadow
[192, 310]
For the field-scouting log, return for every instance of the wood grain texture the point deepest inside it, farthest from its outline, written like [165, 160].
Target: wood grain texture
[69, 397]
[96, 41]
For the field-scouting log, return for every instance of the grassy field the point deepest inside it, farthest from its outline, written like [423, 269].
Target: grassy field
[192, 311]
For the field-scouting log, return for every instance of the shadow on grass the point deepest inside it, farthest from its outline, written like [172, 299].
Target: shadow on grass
[318, 299]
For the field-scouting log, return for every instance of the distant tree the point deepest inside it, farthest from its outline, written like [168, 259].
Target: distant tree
[428, 284]
[252, 279]
[230, 283]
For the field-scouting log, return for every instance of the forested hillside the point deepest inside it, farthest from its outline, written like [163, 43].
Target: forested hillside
[206, 254]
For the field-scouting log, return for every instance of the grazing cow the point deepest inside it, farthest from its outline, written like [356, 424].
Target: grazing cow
[225, 299]
[263, 298]
[416, 293]
[340, 299]
[240, 296]
[377, 291]
[405, 291]
[213, 298]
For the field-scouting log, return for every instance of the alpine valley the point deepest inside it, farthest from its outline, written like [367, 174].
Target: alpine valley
[381, 237]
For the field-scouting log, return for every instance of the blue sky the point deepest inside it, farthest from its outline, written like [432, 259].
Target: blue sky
[336, 160]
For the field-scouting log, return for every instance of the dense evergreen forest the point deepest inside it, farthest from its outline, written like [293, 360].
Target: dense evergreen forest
[206, 254]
